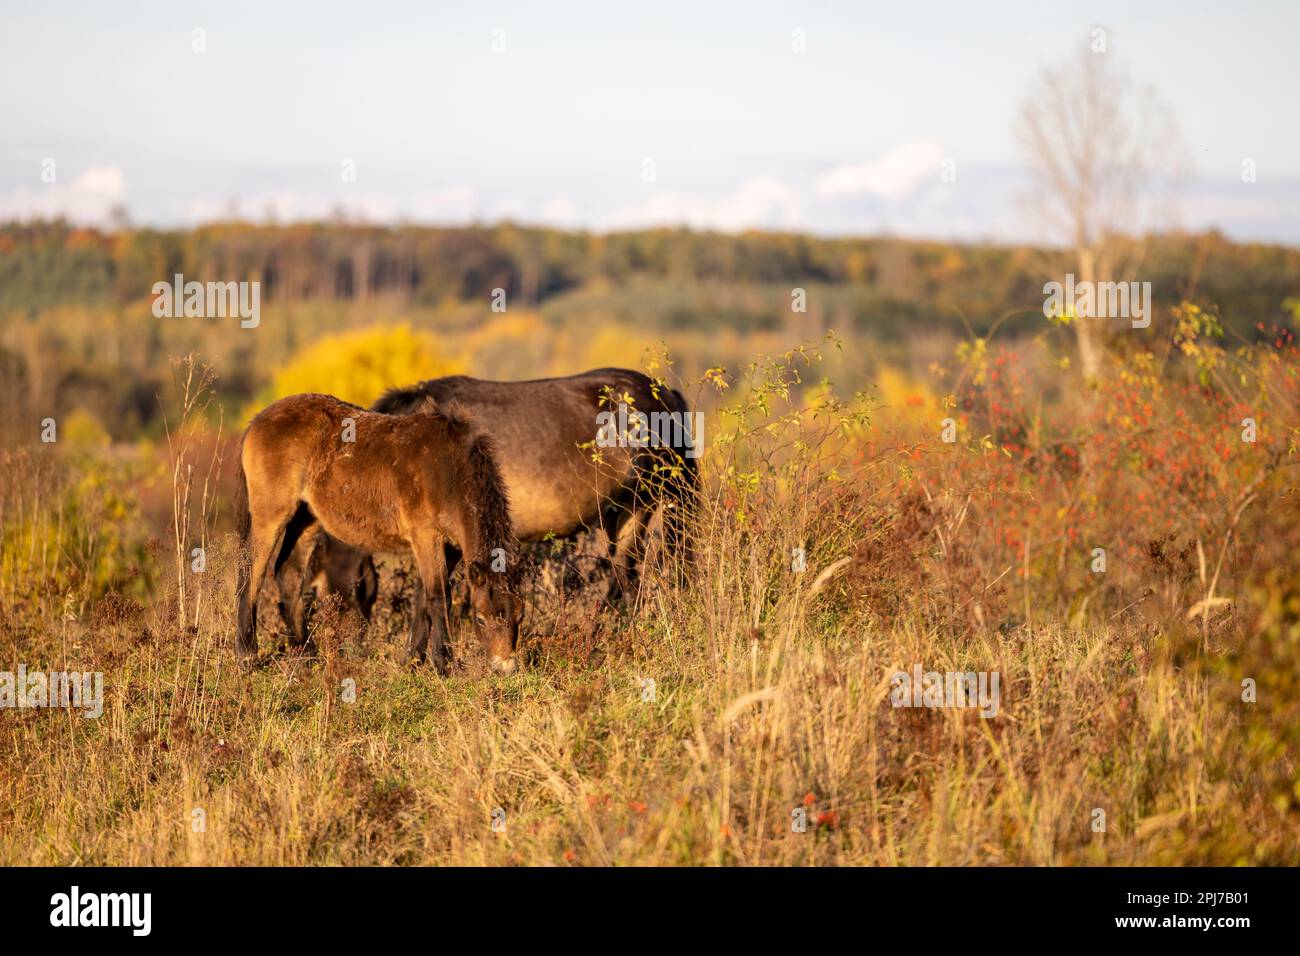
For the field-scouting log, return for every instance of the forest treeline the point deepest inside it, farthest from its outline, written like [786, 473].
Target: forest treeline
[50, 264]
[77, 333]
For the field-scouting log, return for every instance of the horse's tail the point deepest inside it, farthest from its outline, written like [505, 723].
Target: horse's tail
[243, 517]
[243, 523]
[682, 490]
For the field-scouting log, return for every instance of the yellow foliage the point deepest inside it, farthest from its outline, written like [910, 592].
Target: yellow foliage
[358, 366]
[903, 398]
[618, 346]
[83, 432]
[511, 345]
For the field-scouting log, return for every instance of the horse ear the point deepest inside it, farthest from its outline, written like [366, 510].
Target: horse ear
[477, 575]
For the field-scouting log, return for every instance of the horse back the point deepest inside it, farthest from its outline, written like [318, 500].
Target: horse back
[543, 432]
[366, 477]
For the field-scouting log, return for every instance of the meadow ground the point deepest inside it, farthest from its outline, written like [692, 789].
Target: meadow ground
[1149, 711]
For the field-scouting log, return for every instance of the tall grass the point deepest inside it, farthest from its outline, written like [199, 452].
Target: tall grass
[839, 541]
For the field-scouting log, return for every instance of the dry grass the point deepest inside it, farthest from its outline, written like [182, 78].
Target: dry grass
[744, 728]
[771, 694]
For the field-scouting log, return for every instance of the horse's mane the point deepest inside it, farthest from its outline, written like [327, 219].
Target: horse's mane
[483, 487]
[403, 401]
[480, 482]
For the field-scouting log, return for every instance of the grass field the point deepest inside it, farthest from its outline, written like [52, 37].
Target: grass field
[747, 718]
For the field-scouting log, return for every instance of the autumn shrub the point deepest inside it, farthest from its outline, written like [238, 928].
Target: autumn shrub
[357, 366]
[70, 534]
[1140, 494]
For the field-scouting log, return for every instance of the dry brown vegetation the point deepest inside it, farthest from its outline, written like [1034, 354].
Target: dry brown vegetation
[1120, 692]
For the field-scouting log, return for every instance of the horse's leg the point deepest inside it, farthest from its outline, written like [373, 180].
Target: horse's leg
[625, 552]
[296, 597]
[452, 555]
[679, 504]
[365, 589]
[264, 540]
[305, 599]
[612, 519]
[418, 638]
[288, 581]
[429, 622]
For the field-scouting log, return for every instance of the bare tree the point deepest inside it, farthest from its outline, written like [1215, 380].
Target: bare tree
[1105, 154]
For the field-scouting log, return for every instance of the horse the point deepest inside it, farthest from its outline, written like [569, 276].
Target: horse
[564, 467]
[331, 567]
[424, 482]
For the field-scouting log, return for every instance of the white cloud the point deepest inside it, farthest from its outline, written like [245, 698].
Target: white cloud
[892, 177]
[454, 204]
[561, 211]
[87, 199]
[510, 208]
[900, 194]
[458, 204]
[761, 202]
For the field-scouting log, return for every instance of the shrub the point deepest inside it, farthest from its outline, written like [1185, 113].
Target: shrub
[358, 366]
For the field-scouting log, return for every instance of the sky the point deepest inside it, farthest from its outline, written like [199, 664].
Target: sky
[832, 118]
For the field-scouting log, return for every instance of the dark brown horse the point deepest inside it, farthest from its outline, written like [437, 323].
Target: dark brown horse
[331, 567]
[424, 482]
[567, 464]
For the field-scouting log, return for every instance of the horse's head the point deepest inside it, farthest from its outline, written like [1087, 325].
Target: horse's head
[497, 609]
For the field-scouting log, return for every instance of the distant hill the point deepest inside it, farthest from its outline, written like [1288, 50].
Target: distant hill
[879, 284]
